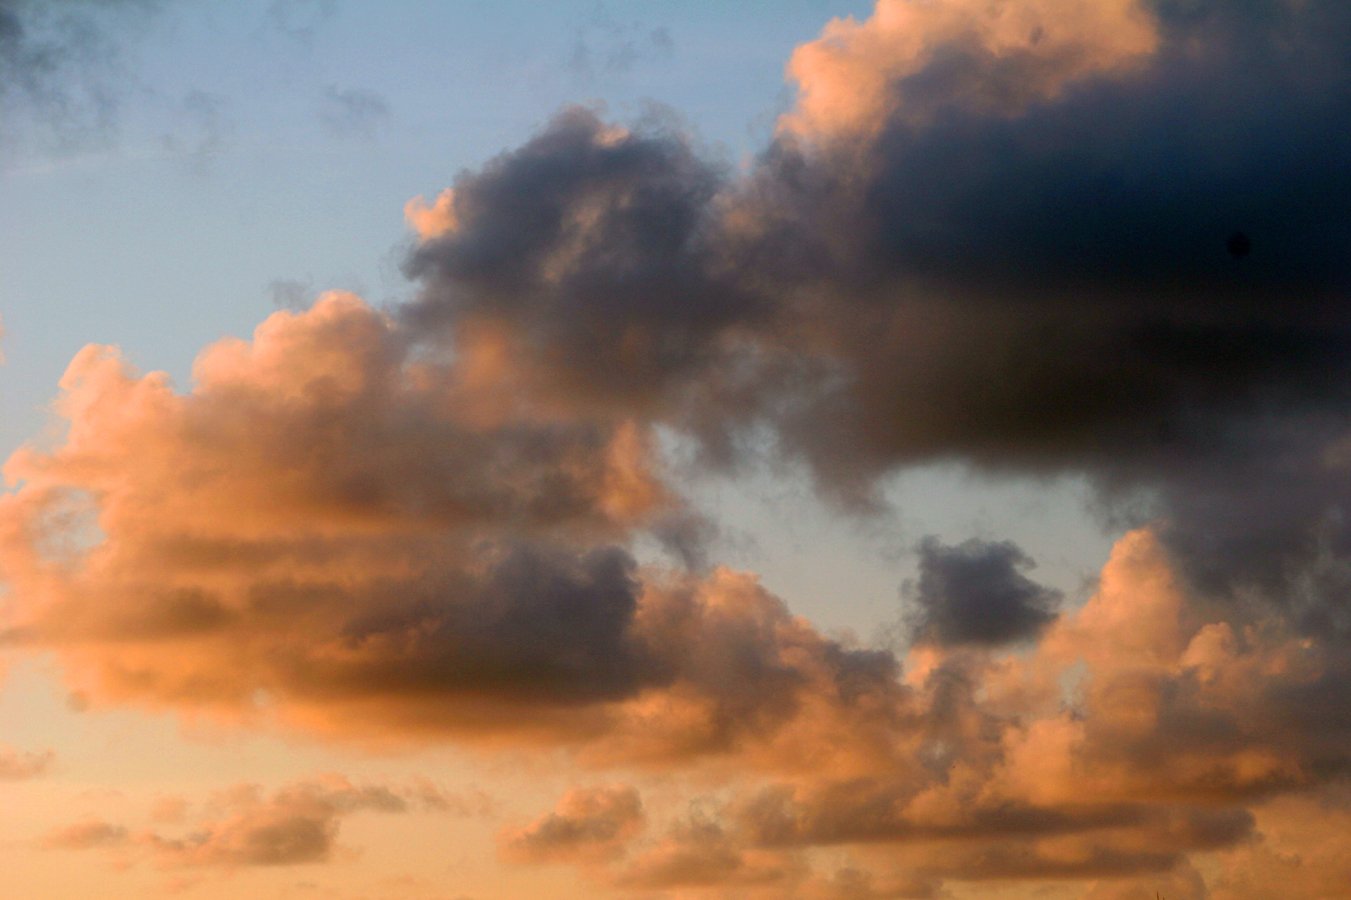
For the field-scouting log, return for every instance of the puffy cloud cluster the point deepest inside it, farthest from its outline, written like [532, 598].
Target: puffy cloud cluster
[333, 530]
[974, 593]
[1134, 737]
[992, 233]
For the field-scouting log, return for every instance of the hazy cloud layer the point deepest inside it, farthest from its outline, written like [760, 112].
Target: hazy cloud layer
[245, 826]
[61, 77]
[17, 764]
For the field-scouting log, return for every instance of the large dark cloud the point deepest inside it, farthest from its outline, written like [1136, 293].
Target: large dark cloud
[1020, 276]
[1053, 287]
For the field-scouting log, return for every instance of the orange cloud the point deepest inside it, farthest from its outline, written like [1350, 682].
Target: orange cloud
[432, 220]
[589, 825]
[84, 836]
[245, 827]
[854, 77]
[16, 765]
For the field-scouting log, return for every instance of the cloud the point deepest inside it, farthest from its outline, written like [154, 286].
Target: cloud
[16, 765]
[299, 824]
[588, 825]
[909, 59]
[1132, 737]
[699, 854]
[85, 836]
[974, 593]
[1007, 249]
[1007, 252]
[605, 47]
[290, 294]
[587, 254]
[61, 69]
[245, 827]
[332, 533]
[353, 112]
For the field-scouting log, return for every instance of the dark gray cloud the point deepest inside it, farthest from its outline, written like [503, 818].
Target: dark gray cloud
[596, 250]
[1031, 285]
[976, 593]
[1053, 289]
[538, 626]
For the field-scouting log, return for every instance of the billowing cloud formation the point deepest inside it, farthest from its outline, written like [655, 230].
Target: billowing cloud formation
[1134, 736]
[974, 593]
[590, 258]
[910, 59]
[335, 530]
[1031, 275]
[1008, 249]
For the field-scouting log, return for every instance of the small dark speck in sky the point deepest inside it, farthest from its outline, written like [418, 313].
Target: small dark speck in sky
[1239, 245]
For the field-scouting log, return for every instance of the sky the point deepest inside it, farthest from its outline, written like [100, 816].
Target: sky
[797, 449]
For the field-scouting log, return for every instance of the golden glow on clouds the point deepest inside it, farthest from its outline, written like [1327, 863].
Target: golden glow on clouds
[847, 79]
[369, 535]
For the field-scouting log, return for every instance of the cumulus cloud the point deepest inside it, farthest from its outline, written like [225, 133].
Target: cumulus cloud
[297, 824]
[1134, 736]
[910, 59]
[1008, 249]
[975, 593]
[590, 257]
[698, 853]
[1030, 275]
[336, 533]
[588, 825]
